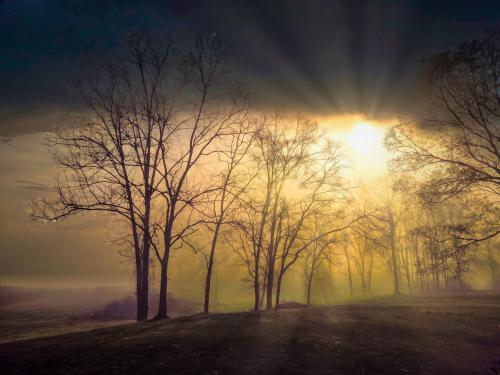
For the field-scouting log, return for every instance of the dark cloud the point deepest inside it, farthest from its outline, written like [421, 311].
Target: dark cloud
[320, 56]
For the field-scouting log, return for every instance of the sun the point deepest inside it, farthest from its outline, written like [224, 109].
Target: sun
[366, 144]
[363, 143]
[365, 139]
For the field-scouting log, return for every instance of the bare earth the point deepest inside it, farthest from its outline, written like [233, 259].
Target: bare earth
[438, 335]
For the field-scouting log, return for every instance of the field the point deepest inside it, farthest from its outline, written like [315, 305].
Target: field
[418, 335]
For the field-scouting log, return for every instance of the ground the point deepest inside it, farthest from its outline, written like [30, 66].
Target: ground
[418, 335]
[25, 325]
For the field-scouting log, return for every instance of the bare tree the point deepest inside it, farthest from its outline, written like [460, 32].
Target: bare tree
[347, 255]
[109, 163]
[278, 154]
[362, 257]
[438, 243]
[383, 224]
[317, 254]
[491, 259]
[244, 242]
[215, 105]
[297, 176]
[322, 194]
[233, 182]
[456, 144]
[283, 150]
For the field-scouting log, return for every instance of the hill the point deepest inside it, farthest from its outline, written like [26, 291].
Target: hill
[440, 335]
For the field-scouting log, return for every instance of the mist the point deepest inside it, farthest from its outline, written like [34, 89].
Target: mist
[249, 187]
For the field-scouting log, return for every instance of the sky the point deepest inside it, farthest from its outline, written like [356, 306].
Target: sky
[329, 59]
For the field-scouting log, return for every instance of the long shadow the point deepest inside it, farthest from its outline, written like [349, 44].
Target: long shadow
[357, 339]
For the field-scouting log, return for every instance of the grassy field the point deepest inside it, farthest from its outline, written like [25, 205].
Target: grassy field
[438, 335]
[31, 312]
[26, 325]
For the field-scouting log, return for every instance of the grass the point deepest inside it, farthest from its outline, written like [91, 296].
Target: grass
[26, 325]
[431, 335]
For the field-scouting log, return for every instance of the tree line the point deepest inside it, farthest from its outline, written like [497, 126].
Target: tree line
[172, 148]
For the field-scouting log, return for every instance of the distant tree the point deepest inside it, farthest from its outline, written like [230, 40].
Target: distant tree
[298, 177]
[347, 254]
[244, 242]
[282, 153]
[491, 258]
[443, 259]
[323, 194]
[233, 180]
[317, 253]
[362, 256]
[320, 192]
[384, 224]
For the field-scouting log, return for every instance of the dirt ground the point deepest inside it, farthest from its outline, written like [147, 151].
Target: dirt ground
[431, 335]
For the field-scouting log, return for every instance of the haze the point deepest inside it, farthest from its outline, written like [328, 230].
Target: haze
[249, 186]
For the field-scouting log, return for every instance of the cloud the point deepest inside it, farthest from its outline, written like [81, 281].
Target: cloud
[319, 56]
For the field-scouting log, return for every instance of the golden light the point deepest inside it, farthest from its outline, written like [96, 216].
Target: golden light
[365, 139]
[364, 143]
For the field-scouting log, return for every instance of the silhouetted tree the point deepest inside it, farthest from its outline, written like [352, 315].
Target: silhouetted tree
[362, 257]
[457, 142]
[491, 259]
[233, 181]
[212, 107]
[384, 222]
[110, 162]
[316, 254]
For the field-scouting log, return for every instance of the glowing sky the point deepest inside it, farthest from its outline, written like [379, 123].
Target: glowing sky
[363, 144]
[36, 251]
[321, 56]
[350, 65]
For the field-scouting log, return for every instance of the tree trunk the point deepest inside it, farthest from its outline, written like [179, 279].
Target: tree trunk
[139, 293]
[270, 283]
[278, 289]
[210, 267]
[408, 279]
[144, 296]
[394, 260]
[206, 304]
[258, 252]
[363, 283]
[349, 272]
[435, 270]
[395, 272]
[492, 264]
[140, 315]
[256, 287]
[370, 269]
[162, 305]
[273, 250]
[142, 302]
[418, 267]
[146, 249]
[263, 289]
[309, 286]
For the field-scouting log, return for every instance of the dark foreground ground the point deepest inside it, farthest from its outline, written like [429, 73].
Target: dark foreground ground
[438, 335]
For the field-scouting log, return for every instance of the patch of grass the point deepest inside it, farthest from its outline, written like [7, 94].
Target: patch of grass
[25, 325]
